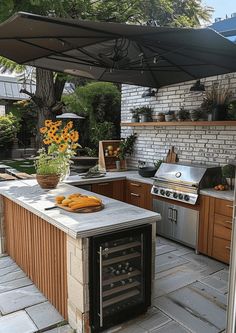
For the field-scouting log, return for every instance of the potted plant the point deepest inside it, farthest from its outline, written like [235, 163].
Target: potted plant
[53, 162]
[169, 116]
[135, 115]
[125, 149]
[196, 114]
[228, 172]
[160, 116]
[216, 101]
[182, 114]
[145, 113]
[232, 111]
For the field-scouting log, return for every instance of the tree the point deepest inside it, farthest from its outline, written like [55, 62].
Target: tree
[49, 86]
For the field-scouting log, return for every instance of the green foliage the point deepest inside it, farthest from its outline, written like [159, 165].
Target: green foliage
[228, 171]
[232, 110]
[46, 164]
[127, 146]
[99, 102]
[8, 130]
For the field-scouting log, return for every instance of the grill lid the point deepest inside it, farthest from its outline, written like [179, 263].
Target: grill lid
[190, 175]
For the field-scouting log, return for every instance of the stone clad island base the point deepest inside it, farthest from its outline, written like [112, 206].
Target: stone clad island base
[52, 247]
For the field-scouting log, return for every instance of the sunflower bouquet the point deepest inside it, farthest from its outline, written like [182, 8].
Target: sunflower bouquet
[60, 144]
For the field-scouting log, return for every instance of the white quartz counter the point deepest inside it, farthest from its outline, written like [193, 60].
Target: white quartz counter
[133, 175]
[116, 215]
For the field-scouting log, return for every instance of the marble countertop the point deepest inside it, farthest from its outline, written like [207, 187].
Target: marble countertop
[226, 195]
[133, 175]
[116, 215]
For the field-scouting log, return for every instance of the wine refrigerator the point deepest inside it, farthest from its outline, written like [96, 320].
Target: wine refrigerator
[120, 276]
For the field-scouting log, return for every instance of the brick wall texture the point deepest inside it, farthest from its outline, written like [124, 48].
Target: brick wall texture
[200, 144]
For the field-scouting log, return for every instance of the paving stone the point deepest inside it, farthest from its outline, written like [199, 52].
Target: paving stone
[217, 283]
[19, 299]
[198, 307]
[11, 285]
[18, 322]
[167, 261]
[208, 265]
[61, 329]
[153, 319]
[174, 279]
[6, 262]
[164, 248]
[12, 276]
[44, 315]
[171, 327]
[9, 269]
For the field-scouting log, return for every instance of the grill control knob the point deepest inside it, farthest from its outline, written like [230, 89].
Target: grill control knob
[175, 195]
[162, 192]
[181, 196]
[155, 190]
[186, 197]
[167, 193]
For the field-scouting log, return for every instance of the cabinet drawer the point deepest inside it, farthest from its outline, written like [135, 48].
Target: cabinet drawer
[224, 207]
[136, 187]
[223, 220]
[221, 249]
[222, 232]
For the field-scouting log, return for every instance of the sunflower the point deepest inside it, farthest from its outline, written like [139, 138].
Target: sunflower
[65, 130]
[58, 123]
[53, 128]
[63, 147]
[50, 134]
[69, 125]
[75, 136]
[57, 139]
[48, 123]
[43, 130]
[47, 141]
[66, 137]
[75, 145]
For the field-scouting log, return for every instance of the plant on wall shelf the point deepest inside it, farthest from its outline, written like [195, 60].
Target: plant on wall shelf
[182, 114]
[135, 115]
[216, 101]
[145, 113]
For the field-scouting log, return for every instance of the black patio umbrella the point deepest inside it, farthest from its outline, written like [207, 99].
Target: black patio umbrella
[140, 55]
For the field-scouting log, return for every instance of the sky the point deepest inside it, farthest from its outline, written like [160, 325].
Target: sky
[221, 7]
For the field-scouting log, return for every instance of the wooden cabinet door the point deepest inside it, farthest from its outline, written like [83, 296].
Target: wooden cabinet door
[113, 189]
[138, 194]
[105, 189]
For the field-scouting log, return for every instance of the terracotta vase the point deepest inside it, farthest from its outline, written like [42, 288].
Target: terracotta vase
[123, 164]
[48, 181]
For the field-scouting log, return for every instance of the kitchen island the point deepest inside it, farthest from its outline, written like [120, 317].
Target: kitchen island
[53, 247]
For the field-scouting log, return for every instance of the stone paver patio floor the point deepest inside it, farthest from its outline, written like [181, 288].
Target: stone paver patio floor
[190, 295]
[23, 308]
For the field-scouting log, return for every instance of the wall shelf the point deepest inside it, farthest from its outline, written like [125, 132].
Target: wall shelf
[182, 123]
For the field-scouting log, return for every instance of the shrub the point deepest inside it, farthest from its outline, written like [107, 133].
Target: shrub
[8, 129]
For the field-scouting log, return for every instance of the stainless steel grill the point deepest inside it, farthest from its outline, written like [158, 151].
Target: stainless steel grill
[182, 182]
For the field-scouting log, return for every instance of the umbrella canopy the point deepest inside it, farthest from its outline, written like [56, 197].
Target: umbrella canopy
[140, 55]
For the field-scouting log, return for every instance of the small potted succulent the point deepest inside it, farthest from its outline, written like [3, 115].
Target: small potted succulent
[135, 115]
[182, 114]
[228, 172]
[160, 117]
[145, 113]
[196, 114]
[169, 116]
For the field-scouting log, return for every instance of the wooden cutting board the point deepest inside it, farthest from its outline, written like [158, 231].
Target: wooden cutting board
[171, 156]
[82, 210]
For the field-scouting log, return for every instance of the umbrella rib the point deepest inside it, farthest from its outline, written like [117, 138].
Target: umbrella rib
[153, 76]
[74, 25]
[172, 63]
[198, 59]
[54, 37]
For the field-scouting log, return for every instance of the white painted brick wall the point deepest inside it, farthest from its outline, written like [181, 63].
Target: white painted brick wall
[206, 144]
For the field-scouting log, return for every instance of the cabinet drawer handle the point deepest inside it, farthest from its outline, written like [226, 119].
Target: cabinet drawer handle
[228, 248]
[133, 184]
[135, 195]
[103, 184]
[229, 206]
[230, 222]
